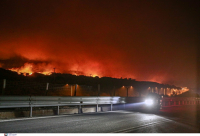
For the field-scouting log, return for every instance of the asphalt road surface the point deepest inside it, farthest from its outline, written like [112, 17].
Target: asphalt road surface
[169, 120]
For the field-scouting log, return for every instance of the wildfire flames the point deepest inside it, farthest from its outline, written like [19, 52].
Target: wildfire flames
[31, 68]
[48, 69]
[184, 89]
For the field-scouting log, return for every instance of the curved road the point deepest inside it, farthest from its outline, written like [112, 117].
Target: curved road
[102, 122]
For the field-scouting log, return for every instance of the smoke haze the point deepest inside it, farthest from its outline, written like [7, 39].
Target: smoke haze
[143, 40]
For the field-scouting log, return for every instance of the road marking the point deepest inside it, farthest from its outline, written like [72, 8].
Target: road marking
[34, 118]
[56, 116]
[141, 126]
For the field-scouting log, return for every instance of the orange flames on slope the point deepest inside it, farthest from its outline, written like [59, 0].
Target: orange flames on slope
[45, 69]
[30, 69]
[184, 89]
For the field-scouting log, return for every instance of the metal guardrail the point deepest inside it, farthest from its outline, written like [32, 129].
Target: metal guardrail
[43, 101]
[178, 101]
[39, 101]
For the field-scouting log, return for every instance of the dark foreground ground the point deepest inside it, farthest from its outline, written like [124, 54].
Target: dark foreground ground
[185, 119]
[189, 113]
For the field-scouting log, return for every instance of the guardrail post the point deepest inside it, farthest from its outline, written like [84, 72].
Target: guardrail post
[111, 104]
[31, 108]
[101, 108]
[79, 109]
[97, 108]
[97, 104]
[58, 110]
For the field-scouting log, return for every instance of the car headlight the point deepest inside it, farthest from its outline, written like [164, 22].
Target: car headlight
[149, 102]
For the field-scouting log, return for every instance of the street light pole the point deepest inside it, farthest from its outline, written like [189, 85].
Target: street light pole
[98, 90]
[4, 86]
[127, 91]
[54, 73]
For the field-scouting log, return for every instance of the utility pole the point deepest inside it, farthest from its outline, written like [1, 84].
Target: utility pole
[47, 88]
[54, 74]
[127, 91]
[98, 90]
[71, 89]
[114, 91]
[75, 89]
[4, 86]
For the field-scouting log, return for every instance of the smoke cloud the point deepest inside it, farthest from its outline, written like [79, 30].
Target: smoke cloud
[139, 40]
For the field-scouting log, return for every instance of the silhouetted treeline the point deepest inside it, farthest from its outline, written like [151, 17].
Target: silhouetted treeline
[107, 84]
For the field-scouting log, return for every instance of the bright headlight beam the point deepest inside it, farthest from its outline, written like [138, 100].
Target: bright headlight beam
[149, 102]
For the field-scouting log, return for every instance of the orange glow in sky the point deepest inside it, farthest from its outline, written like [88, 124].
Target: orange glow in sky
[142, 40]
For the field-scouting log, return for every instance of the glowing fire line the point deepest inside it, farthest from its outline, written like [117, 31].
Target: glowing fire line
[28, 68]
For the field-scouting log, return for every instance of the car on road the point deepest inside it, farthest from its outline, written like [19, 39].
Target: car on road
[153, 102]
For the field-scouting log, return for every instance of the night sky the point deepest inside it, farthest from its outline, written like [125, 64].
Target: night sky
[146, 40]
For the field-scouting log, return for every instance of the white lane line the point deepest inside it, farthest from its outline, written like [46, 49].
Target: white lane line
[57, 116]
[124, 111]
[35, 118]
[141, 126]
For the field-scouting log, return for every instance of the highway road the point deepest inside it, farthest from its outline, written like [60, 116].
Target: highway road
[121, 121]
